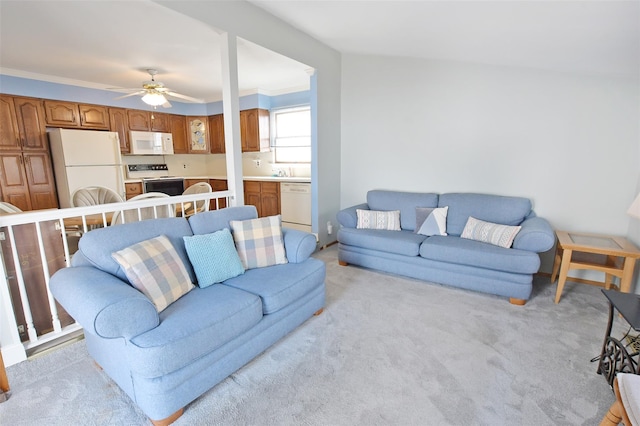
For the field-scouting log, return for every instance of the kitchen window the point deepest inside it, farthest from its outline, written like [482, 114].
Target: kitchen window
[291, 135]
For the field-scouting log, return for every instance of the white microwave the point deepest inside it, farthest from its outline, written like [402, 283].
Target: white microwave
[151, 143]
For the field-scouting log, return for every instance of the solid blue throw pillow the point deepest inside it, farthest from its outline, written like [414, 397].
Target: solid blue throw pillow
[214, 257]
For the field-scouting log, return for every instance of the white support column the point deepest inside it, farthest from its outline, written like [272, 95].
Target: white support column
[231, 110]
[13, 350]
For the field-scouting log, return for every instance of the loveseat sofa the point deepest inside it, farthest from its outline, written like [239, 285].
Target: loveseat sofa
[164, 360]
[450, 259]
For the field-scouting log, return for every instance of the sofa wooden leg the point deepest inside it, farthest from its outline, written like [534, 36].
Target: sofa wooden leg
[318, 312]
[342, 263]
[519, 302]
[167, 421]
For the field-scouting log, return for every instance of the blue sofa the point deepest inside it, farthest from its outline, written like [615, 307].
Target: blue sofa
[449, 259]
[165, 360]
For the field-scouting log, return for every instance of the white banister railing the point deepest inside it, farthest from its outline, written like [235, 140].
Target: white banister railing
[35, 244]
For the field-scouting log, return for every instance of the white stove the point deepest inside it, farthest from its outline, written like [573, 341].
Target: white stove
[155, 178]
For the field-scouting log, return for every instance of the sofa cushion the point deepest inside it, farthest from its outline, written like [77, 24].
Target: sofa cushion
[400, 242]
[97, 245]
[195, 325]
[280, 285]
[490, 208]
[259, 241]
[406, 202]
[487, 232]
[154, 268]
[461, 251]
[213, 256]
[375, 219]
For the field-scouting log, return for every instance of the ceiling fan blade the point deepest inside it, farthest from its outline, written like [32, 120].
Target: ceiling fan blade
[139, 92]
[186, 98]
[166, 105]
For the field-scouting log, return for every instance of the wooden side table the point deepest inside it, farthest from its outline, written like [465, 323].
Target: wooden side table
[613, 255]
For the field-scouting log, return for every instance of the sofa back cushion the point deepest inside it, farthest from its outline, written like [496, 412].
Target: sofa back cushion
[489, 208]
[97, 245]
[215, 220]
[406, 202]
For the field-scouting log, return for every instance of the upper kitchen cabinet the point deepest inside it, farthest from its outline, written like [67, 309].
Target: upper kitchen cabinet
[118, 123]
[139, 120]
[73, 115]
[254, 130]
[147, 121]
[160, 122]
[216, 134]
[198, 135]
[178, 125]
[22, 124]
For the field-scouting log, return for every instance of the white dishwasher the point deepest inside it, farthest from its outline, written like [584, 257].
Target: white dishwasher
[295, 205]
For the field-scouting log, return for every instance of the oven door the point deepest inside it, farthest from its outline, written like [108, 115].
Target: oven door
[170, 186]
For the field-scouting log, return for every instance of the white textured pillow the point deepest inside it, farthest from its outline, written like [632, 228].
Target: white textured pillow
[492, 233]
[374, 219]
[435, 223]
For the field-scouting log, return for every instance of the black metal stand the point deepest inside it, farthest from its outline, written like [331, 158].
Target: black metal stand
[614, 357]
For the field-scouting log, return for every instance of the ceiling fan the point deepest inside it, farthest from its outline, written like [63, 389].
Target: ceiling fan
[154, 92]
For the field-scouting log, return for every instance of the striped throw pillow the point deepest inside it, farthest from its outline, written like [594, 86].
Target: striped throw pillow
[259, 241]
[154, 268]
[492, 233]
[375, 219]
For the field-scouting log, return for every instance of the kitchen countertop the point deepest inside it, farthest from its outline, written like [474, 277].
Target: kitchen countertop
[258, 178]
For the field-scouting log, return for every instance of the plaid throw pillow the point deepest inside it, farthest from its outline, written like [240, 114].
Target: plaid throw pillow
[259, 241]
[154, 267]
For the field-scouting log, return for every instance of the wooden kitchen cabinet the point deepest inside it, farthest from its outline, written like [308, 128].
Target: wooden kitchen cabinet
[254, 130]
[218, 185]
[264, 195]
[61, 114]
[160, 122]
[139, 120]
[118, 123]
[178, 124]
[73, 115]
[94, 117]
[198, 135]
[216, 134]
[132, 189]
[9, 134]
[148, 121]
[26, 180]
[22, 124]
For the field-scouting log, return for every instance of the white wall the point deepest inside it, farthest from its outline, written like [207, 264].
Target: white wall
[568, 142]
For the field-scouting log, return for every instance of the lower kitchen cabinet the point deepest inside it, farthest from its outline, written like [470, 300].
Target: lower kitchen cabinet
[218, 185]
[264, 195]
[26, 180]
[132, 189]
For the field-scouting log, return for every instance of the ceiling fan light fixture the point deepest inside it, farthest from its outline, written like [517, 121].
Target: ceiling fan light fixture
[154, 99]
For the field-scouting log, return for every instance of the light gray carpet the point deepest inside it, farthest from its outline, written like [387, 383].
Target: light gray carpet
[386, 351]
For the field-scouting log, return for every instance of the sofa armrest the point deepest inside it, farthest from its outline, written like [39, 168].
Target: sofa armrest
[348, 217]
[536, 235]
[298, 245]
[102, 303]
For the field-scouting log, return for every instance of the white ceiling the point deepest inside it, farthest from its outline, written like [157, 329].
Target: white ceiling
[110, 43]
[564, 35]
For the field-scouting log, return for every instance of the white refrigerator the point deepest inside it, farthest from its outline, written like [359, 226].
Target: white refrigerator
[85, 158]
